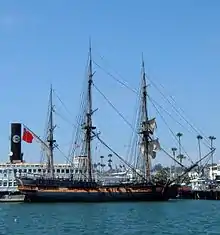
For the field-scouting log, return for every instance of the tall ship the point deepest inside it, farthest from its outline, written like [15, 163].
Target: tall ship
[85, 185]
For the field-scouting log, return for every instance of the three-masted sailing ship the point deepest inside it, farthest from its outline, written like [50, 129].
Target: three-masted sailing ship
[89, 189]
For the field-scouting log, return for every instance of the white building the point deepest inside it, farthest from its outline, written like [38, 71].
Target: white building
[214, 171]
[193, 175]
[9, 171]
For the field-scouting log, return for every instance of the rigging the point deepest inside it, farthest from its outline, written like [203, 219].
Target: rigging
[197, 131]
[135, 91]
[116, 110]
[170, 130]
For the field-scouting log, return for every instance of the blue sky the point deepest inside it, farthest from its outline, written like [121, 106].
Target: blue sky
[45, 42]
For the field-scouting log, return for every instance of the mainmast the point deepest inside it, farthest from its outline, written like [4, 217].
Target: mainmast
[144, 129]
[50, 138]
[89, 127]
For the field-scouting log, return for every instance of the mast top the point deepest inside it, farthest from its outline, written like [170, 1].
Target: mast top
[142, 60]
[90, 46]
[144, 91]
[144, 84]
[51, 92]
[90, 61]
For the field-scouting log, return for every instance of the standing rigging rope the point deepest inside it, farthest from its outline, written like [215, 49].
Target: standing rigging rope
[192, 126]
[119, 81]
[169, 129]
[170, 115]
[197, 131]
[154, 107]
[116, 110]
[125, 162]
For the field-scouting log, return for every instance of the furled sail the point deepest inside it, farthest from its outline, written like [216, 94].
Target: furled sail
[153, 148]
[153, 144]
[152, 125]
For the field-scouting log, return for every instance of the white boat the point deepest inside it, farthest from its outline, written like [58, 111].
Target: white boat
[12, 197]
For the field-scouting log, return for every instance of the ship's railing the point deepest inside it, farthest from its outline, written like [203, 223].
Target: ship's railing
[37, 176]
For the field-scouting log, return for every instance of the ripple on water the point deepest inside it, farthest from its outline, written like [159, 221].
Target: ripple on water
[178, 217]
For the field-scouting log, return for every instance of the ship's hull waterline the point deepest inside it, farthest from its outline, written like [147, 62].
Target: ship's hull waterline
[101, 195]
[57, 190]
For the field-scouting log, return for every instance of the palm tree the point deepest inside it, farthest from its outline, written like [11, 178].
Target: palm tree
[181, 157]
[101, 163]
[179, 135]
[174, 157]
[110, 161]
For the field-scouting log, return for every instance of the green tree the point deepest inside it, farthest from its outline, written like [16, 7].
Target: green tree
[162, 175]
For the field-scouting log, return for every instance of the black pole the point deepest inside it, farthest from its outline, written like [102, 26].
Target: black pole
[16, 155]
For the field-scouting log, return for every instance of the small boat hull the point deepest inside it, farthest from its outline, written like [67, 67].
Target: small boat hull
[12, 198]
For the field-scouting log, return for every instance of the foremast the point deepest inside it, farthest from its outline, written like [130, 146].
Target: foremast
[50, 136]
[89, 126]
[149, 145]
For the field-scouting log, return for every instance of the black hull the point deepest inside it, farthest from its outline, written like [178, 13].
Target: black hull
[56, 190]
[42, 196]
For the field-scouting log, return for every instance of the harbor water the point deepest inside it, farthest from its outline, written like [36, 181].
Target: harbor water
[180, 217]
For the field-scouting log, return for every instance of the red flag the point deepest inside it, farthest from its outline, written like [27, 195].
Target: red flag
[27, 136]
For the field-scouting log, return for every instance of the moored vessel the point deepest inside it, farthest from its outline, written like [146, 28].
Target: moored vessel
[85, 186]
[12, 197]
[97, 193]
